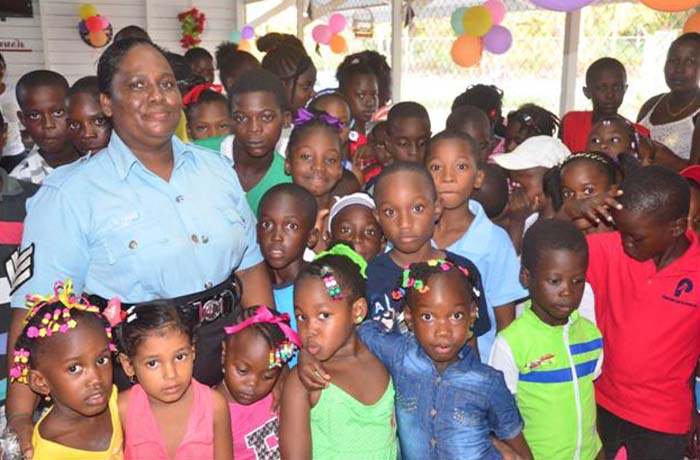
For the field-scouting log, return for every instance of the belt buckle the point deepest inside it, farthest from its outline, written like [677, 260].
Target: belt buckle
[212, 309]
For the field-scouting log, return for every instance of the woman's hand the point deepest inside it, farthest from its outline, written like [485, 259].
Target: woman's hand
[311, 372]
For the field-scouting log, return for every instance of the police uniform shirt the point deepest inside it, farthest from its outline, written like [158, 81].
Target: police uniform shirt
[118, 230]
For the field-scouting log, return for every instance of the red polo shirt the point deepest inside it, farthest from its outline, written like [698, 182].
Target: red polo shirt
[576, 126]
[650, 322]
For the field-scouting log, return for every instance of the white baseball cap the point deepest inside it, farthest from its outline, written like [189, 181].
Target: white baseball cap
[358, 198]
[542, 151]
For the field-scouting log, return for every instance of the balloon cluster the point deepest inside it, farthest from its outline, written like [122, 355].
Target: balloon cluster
[242, 38]
[95, 30]
[478, 28]
[329, 34]
[672, 6]
[193, 22]
[564, 5]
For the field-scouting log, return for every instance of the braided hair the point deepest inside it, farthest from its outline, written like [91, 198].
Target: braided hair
[273, 335]
[300, 129]
[289, 63]
[537, 120]
[416, 277]
[347, 273]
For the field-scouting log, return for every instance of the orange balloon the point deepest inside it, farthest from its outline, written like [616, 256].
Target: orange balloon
[98, 39]
[671, 6]
[466, 50]
[338, 44]
[692, 24]
[244, 45]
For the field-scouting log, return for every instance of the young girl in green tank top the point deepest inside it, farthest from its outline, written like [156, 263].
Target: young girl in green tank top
[353, 418]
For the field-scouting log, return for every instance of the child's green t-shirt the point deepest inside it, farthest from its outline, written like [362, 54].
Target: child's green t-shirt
[274, 175]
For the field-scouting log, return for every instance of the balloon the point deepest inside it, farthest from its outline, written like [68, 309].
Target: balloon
[692, 24]
[98, 39]
[244, 45]
[477, 21]
[671, 6]
[338, 44]
[82, 28]
[567, 5]
[337, 23]
[247, 33]
[103, 22]
[236, 36]
[87, 10]
[498, 40]
[93, 24]
[321, 34]
[456, 20]
[497, 9]
[466, 51]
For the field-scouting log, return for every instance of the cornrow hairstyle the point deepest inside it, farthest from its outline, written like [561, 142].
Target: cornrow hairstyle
[347, 273]
[449, 134]
[273, 335]
[148, 318]
[419, 274]
[604, 163]
[537, 120]
[605, 63]
[316, 122]
[30, 81]
[551, 235]
[272, 40]
[288, 63]
[195, 54]
[406, 167]
[350, 69]
[259, 80]
[378, 64]
[627, 126]
[205, 97]
[656, 192]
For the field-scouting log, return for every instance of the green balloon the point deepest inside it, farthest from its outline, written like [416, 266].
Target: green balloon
[457, 21]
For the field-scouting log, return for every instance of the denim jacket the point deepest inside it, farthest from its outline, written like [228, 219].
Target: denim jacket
[446, 415]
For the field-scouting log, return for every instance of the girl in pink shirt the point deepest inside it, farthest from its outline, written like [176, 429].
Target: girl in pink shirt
[256, 349]
[167, 415]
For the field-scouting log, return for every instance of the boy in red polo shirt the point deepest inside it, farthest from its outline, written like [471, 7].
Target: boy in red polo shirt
[646, 280]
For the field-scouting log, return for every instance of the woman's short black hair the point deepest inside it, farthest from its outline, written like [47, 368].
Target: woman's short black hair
[147, 318]
[110, 60]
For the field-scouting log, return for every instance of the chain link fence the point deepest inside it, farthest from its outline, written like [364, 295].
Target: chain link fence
[531, 71]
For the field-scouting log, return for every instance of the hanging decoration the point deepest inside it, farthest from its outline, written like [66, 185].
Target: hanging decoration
[568, 5]
[329, 34]
[670, 6]
[478, 28]
[243, 37]
[692, 24]
[363, 24]
[95, 30]
[193, 22]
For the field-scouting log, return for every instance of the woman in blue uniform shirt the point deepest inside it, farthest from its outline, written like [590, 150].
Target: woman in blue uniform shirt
[148, 217]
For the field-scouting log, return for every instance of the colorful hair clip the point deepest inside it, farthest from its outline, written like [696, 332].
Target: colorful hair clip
[304, 116]
[193, 95]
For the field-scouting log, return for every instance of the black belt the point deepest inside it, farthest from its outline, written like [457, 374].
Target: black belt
[200, 307]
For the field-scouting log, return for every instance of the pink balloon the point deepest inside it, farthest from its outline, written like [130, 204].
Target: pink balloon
[321, 34]
[497, 9]
[498, 40]
[337, 23]
[562, 5]
[104, 23]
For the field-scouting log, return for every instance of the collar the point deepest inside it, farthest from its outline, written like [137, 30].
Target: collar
[535, 320]
[10, 185]
[124, 159]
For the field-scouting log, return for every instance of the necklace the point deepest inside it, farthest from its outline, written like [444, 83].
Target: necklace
[685, 107]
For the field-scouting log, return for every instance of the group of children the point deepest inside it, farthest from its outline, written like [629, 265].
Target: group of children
[438, 296]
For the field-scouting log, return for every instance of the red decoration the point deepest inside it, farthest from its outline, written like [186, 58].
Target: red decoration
[193, 22]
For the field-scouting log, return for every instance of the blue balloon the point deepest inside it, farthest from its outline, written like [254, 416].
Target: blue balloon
[236, 37]
[456, 20]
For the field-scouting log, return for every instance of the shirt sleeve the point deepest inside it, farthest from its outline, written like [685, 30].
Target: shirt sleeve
[598, 366]
[596, 260]
[54, 246]
[382, 344]
[252, 255]
[503, 415]
[502, 283]
[501, 358]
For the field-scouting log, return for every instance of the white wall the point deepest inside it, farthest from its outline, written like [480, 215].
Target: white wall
[54, 29]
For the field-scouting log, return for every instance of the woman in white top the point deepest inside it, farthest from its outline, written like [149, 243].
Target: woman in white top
[671, 117]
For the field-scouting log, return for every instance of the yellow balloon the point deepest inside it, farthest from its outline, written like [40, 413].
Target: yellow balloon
[477, 21]
[466, 50]
[87, 10]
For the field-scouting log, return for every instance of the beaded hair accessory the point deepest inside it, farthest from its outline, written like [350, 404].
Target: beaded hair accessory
[409, 281]
[632, 131]
[285, 351]
[594, 156]
[304, 116]
[329, 280]
[58, 321]
[193, 95]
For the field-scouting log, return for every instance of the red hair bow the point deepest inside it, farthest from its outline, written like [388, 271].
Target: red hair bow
[193, 95]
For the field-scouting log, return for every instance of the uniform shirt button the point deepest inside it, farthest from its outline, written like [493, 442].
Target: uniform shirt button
[205, 239]
[438, 380]
[133, 244]
[433, 442]
[433, 412]
[195, 239]
[208, 285]
[179, 199]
